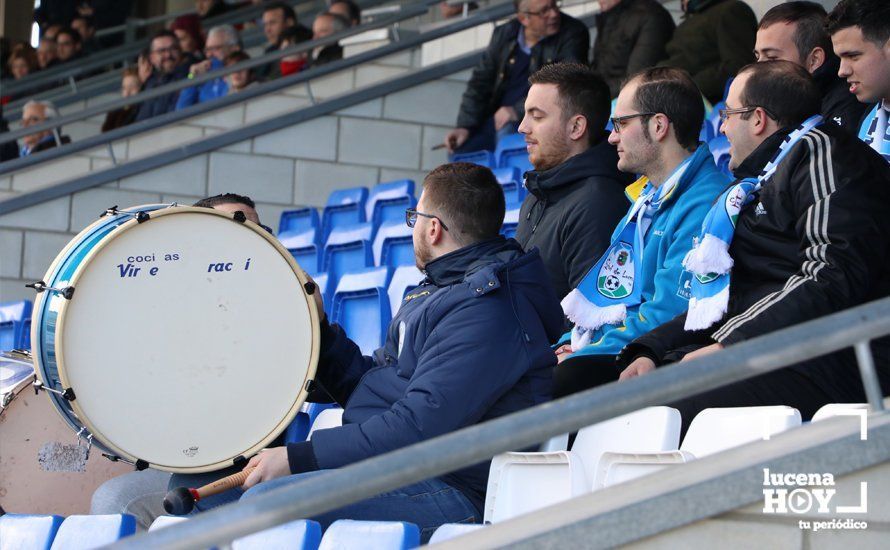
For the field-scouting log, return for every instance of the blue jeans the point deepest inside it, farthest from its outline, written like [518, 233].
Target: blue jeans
[427, 504]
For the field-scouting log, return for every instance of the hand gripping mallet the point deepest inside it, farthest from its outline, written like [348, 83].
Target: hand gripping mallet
[181, 501]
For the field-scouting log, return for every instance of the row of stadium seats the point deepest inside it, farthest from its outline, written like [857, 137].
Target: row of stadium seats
[510, 152]
[15, 325]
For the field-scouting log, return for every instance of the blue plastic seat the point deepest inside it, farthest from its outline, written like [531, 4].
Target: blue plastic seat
[299, 427]
[344, 207]
[303, 246]
[713, 119]
[297, 221]
[719, 147]
[482, 158]
[323, 281]
[28, 532]
[302, 534]
[13, 317]
[379, 535]
[511, 221]
[511, 181]
[361, 307]
[404, 279]
[511, 151]
[393, 244]
[83, 532]
[388, 201]
[452, 530]
[348, 249]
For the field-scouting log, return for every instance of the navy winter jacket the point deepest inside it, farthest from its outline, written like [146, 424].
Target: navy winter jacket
[470, 344]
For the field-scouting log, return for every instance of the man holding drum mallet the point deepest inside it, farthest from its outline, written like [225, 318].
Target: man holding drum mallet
[471, 343]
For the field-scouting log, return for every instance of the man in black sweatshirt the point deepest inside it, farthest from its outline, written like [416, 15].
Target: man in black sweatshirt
[576, 193]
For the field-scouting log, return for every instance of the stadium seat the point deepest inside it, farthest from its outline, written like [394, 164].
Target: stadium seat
[388, 201]
[482, 158]
[302, 534]
[298, 221]
[13, 317]
[83, 532]
[165, 521]
[27, 532]
[348, 248]
[303, 246]
[713, 119]
[328, 418]
[556, 443]
[832, 410]
[511, 222]
[393, 244]
[511, 181]
[379, 535]
[404, 279]
[323, 281]
[344, 207]
[711, 431]
[452, 530]
[720, 149]
[361, 307]
[541, 479]
[301, 425]
[707, 131]
[511, 151]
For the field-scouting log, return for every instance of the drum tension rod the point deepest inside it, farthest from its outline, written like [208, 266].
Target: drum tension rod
[67, 395]
[113, 211]
[40, 286]
[115, 458]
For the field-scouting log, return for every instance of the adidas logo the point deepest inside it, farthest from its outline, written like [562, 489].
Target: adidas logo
[760, 210]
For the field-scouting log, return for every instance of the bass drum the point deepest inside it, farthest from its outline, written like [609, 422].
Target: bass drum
[42, 464]
[177, 338]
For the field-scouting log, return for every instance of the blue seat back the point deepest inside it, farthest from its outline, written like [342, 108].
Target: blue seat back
[345, 207]
[361, 307]
[482, 158]
[348, 249]
[299, 427]
[302, 534]
[511, 222]
[323, 281]
[28, 532]
[303, 246]
[389, 535]
[404, 279]
[353, 195]
[388, 191]
[299, 220]
[15, 326]
[388, 210]
[511, 152]
[93, 531]
[390, 242]
[719, 147]
[507, 175]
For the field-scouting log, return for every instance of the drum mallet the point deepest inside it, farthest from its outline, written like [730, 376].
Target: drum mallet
[181, 501]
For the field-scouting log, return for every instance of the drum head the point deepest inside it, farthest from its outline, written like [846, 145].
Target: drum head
[188, 341]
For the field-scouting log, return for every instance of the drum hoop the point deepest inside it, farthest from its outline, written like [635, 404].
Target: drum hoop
[313, 358]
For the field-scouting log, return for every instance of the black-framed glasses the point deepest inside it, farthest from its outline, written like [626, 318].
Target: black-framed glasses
[618, 122]
[555, 6]
[725, 113]
[411, 218]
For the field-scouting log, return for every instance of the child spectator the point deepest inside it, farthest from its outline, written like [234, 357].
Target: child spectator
[239, 80]
[130, 86]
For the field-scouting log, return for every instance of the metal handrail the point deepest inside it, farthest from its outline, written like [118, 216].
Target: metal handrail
[447, 453]
[303, 47]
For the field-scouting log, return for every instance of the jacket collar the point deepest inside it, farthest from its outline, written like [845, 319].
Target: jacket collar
[598, 160]
[754, 163]
[455, 266]
[698, 159]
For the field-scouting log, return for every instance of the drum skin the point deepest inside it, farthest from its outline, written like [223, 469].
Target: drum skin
[187, 343]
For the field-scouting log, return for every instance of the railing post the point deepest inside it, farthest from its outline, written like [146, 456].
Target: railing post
[866, 362]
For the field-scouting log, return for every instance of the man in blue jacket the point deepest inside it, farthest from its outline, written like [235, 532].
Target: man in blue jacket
[639, 282]
[471, 343]
[221, 41]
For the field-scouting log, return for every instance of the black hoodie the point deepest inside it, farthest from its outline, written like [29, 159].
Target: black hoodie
[571, 211]
[838, 104]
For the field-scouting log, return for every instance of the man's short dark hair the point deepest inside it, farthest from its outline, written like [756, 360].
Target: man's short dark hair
[355, 12]
[871, 16]
[288, 11]
[809, 20]
[468, 198]
[88, 19]
[225, 198]
[784, 89]
[75, 36]
[164, 33]
[581, 92]
[295, 35]
[672, 92]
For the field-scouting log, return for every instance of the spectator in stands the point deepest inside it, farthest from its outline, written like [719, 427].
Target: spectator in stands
[221, 41]
[328, 24]
[130, 86]
[492, 104]
[239, 80]
[813, 240]
[639, 282]
[84, 26]
[576, 193]
[46, 52]
[37, 112]
[210, 8]
[277, 17]
[167, 67]
[22, 61]
[426, 380]
[187, 29]
[52, 30]
[715, 39]
[630, 36]
[143, 65]
[447, 10]
[347, 9]
[795, 31]
[860, 32]
[298, 61]
[68, 44]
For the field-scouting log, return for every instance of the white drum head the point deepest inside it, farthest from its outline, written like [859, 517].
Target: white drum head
[198, 357]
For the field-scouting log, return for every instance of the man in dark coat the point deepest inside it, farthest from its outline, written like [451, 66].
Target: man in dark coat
[576, 193]
[795, 31]
[813, 241]
[492, 105]
[630, 36]
[470, 344]
[168, 66]
[712, 43]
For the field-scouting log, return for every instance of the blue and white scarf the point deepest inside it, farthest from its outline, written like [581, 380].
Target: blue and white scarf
[709, 260]
[609, 288]
[875, 130]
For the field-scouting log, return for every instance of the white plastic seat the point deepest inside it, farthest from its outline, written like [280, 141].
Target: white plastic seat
[452, 530]
[328, 418]
[165, 521]
[300, 535]
[839, 409]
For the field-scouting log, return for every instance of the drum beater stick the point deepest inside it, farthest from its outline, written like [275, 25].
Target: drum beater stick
[181, 501]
